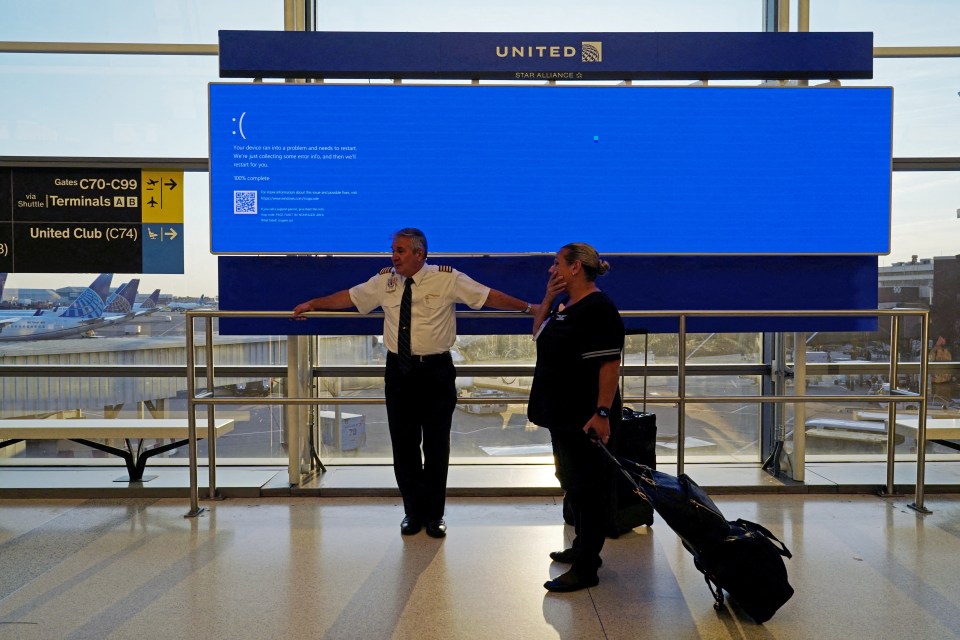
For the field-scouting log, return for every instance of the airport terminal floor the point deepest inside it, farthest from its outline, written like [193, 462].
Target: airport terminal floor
[294, 567]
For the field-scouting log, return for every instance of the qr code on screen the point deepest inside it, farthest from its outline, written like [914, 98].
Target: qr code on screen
[245, 202]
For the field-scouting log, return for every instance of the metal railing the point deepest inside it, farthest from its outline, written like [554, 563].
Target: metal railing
[895, 397]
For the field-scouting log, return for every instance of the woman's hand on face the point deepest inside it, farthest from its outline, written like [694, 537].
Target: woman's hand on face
[555, 286]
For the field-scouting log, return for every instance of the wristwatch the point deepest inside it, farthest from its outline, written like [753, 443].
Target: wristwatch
[603, 412]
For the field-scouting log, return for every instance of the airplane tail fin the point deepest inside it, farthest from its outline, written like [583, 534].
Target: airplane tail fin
[130, 293]
[121, 301]
[3, 283]
[152, 301]
[112, 298]
[91, 302]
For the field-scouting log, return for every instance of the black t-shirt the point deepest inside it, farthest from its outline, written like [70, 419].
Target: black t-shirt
[571, 347]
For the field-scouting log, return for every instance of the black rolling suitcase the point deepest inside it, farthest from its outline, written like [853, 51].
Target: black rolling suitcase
[634, 439]
[739, 557]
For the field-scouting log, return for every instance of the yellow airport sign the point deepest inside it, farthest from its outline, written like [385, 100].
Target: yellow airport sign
[162, 196]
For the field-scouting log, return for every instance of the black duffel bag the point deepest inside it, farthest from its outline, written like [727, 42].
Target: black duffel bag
[739, 557]
[747, 564]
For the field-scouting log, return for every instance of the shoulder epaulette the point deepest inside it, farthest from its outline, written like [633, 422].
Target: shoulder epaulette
[386, 270]
[445, 268]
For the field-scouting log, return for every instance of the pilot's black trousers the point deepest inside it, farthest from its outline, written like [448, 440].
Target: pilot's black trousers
[420, 406]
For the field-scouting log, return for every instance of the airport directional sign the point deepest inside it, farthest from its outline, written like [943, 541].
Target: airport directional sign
[74, 220]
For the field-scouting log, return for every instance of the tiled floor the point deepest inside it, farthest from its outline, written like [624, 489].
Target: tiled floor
[85, 556]
[304, 567]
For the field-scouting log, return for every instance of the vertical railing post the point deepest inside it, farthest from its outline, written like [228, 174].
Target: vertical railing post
[892, 406]
[798, 465]
[922, 419]
[292, 412]
[681, 390]
[299, 379]
[195, 509]
[211, 425]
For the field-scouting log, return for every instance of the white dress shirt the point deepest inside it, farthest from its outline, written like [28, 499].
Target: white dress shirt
[436, 291]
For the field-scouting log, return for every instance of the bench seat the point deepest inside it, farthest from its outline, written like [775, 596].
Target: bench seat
[862, 437]
[84, 431]
[943, 431]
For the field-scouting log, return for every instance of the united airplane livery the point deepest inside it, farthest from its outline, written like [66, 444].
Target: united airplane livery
[120, 303]
[80, 318]
[148, 306]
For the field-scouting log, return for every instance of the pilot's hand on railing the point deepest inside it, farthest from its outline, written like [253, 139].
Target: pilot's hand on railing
[300, 309]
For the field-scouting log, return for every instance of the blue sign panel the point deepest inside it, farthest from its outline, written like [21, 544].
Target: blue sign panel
[545, 56]
[637, 283]
[162, 248]
[520, 169]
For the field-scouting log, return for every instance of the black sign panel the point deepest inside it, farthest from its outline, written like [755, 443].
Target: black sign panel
[70, 220]
[81, 248]
[80, 195]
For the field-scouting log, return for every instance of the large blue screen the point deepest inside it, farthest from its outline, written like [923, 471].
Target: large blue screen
[525, 169]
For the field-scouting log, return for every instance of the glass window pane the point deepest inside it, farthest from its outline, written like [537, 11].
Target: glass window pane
[157, 21]
[714, 432]
[547, 15]
[895, 23]
[925, 217]
[107, 106]
[857, 364]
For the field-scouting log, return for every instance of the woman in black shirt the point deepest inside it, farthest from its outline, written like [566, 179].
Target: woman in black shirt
[575, 395]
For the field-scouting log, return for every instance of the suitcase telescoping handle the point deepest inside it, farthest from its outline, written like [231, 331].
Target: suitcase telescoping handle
[626, 474]
[646, 339]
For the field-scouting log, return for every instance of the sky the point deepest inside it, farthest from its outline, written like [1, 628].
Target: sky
[155, 106]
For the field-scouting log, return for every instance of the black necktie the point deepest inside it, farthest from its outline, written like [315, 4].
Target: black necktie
[403, 334]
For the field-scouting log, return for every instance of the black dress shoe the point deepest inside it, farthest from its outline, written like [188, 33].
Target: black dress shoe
[568, 556]
[571, 581]
[437, 528]
[410, 526]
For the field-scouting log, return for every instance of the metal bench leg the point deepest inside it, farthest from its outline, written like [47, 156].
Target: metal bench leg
[136, 474]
